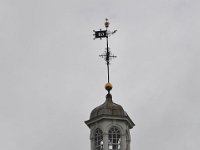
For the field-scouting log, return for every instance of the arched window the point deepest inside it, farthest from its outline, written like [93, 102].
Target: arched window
[98, 139]
[114, 139]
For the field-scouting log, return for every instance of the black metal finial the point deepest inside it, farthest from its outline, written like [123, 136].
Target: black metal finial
[107, 55]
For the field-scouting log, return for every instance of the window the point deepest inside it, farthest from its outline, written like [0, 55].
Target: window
[114, 139]
[98, 139]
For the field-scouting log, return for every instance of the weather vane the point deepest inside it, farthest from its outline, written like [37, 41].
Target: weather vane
[107, 55]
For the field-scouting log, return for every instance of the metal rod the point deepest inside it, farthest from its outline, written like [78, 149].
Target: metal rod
[107, 58]
[108, 74]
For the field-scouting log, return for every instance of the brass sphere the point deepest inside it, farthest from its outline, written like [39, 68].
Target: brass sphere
[108, 86]
[106, 23]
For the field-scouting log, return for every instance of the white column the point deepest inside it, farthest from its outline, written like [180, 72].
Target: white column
[105, 141]
[123, 142]
[92, 144]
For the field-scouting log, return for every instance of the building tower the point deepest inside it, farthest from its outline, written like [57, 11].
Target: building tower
[109, 124]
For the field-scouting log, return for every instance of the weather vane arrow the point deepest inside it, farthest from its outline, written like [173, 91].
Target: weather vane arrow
[107, 55]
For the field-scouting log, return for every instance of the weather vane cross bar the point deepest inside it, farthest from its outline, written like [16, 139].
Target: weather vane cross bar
[107, 54]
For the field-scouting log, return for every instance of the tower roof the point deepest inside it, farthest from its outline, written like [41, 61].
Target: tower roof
[108, 108]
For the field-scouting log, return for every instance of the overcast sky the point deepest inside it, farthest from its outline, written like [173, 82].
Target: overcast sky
[51, 76]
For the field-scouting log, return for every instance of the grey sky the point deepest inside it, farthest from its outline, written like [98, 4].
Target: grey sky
[51, 76]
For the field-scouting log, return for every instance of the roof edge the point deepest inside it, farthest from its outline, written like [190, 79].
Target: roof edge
[110, 117]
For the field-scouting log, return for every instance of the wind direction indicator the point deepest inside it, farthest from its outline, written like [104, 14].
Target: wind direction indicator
[108, 56]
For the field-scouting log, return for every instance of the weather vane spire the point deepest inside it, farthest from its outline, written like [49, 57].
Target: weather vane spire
[107, 55]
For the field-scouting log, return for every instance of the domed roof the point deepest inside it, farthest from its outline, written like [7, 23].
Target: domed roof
[108, 108]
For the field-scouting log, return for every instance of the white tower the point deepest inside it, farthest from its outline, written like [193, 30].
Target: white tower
[109, 124]
[109, 127]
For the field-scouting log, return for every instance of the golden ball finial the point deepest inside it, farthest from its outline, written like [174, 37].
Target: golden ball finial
[108, 86]
[106, 23]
